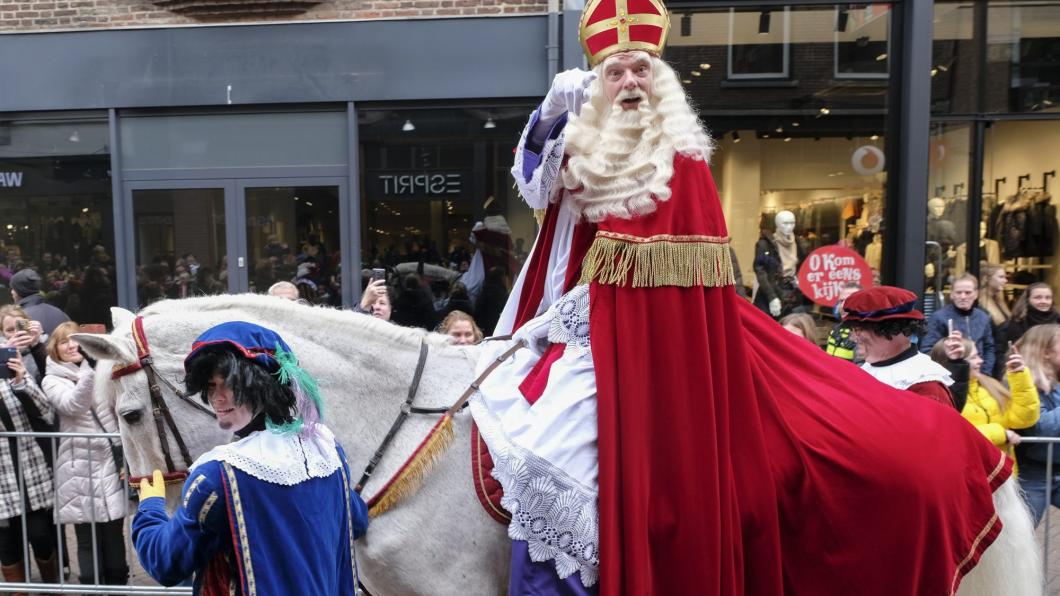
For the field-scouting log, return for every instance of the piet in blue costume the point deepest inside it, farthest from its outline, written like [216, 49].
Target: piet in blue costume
[273, 512]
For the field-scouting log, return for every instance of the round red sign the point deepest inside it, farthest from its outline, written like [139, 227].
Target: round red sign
[826, 269]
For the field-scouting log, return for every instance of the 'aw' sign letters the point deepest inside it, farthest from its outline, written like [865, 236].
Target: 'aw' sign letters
[10, 179]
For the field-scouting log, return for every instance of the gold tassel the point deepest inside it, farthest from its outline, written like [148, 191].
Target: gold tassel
[658, 262]
[408, 481]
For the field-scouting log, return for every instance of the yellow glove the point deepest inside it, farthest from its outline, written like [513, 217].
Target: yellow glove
[150, 489]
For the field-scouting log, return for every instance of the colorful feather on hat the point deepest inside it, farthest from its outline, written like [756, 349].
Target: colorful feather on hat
[309, 407]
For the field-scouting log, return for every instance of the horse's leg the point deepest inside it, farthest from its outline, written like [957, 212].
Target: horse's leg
[1012, 565]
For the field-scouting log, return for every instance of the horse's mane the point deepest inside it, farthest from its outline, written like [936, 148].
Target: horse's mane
[298, 315]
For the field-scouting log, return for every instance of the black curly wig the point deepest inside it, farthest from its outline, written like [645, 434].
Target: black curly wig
[890, 328]
[251, 384]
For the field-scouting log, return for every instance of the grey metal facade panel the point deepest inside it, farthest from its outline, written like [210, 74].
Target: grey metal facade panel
[492, 57]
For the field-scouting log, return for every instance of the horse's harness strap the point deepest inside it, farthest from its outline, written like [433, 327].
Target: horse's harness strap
[460, 404]
[403, 415]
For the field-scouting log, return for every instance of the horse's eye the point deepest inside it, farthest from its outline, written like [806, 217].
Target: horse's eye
[133, 416]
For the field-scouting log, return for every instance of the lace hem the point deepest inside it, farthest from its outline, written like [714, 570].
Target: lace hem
[555, 514]
[280, 459]
[538, 190]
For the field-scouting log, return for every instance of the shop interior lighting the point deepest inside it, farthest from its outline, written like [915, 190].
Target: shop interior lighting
[779, 129]
[841, 19]
[408, 126]
[686, 24]
[296, 198]
[84, 210]
[875, 137]
[308, 204]
[686, 81]
[787, 139]
[795, 124]
[881, 57]
[763, 23]
[705, 66]
[934, 71]
[489, 123]
[735, 136]
[696, 73]
[825, 111]
[943, 67]
[75, 137]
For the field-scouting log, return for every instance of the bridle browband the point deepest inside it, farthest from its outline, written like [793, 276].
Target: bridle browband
[162, 415]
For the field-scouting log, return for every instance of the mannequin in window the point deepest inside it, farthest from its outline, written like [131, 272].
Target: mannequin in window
[989, 251]
[777, 260]
[939, 229]
[874, 251]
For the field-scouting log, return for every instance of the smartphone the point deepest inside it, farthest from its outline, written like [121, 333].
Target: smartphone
[378, 274]
[21, 325]
[5, 355]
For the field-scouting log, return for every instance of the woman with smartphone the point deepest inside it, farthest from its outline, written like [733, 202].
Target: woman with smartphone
[22, 333]
[22, 408]
[1040, 347]
[87, 471]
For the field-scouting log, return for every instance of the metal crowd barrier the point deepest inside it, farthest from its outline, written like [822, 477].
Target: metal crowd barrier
[64, 586]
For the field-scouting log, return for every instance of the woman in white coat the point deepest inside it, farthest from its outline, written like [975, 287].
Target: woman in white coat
[89, 487]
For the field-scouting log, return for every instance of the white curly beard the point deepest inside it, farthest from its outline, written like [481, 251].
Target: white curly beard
[620, 168]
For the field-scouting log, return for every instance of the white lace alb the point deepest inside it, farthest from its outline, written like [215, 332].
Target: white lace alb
[286, 459]
[570, 320]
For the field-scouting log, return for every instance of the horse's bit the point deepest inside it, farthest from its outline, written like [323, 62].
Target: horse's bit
[160, 410]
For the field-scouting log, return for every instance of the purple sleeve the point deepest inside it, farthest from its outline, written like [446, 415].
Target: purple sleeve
[532, 148]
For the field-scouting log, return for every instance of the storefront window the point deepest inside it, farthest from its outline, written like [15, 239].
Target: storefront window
[1020, 223]
[439, 209]
[810, 142]
[56, 213]
[1023, 56]
[947, 217]
[758, 43]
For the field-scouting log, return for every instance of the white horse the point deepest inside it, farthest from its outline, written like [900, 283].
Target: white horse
[439, 540]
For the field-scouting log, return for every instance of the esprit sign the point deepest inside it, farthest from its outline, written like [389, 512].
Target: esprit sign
[825, 271]
[10, 179]
[417, 185]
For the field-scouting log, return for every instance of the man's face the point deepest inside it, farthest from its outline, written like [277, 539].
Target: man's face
[964, 294]
[230, 416]
[874, 348]
[628, 79]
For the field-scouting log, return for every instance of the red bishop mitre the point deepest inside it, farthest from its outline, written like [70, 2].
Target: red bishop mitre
[612, 26]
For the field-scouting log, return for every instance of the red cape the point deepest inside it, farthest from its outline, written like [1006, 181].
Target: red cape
[737, 459]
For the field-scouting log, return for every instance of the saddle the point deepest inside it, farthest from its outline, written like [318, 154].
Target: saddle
[487, 488]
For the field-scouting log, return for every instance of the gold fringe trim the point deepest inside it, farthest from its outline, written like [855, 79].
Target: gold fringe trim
[409, 479]
[683, 261]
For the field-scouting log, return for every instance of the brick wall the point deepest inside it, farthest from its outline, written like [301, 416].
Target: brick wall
[26, 16]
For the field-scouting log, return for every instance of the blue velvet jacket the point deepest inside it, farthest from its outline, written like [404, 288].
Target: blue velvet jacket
[242, 535]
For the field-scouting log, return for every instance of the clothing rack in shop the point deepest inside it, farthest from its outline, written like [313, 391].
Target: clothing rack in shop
[1019, 181]
[997, 183]
[1045, 179]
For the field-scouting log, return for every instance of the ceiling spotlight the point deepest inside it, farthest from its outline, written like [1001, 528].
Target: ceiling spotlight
[795, 124]
[763, 23]
[75, 137]
[875, 137]
[408, 126]
[780, 129]
[881, 57]
[489, 123]
[84, 210]
[943, 67]
[787, 139]
[825, 111]
[696, 73]
[934, 71]
[686, 81]
[705, 66]
[735, 136]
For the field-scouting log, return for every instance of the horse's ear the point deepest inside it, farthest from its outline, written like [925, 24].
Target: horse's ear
[121, 318]
[105, 347]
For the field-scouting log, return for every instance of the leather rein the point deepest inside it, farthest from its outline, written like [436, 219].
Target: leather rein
[163, 417]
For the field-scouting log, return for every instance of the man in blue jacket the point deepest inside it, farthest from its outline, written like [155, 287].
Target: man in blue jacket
[271, 513]
[964, 316]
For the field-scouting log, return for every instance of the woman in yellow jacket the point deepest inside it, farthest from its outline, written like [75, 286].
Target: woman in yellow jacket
[992, 408]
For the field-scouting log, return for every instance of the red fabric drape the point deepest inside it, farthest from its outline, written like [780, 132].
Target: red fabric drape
[736, 459]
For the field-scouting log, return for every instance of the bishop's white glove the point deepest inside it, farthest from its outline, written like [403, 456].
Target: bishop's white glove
[774, 307]
[569, 91]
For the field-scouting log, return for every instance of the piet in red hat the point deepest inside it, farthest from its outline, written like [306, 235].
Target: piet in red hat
[882, 303]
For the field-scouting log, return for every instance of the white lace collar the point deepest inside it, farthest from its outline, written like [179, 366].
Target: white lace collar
[287, 459]
[917, 369]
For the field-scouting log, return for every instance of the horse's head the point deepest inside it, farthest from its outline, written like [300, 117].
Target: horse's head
[139, 414]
